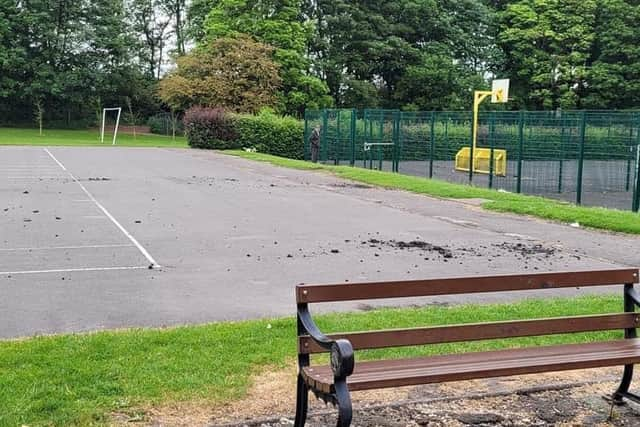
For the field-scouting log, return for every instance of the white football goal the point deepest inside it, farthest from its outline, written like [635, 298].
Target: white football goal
[118, 110]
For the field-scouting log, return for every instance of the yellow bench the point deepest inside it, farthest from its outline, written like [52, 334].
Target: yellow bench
[482, 161]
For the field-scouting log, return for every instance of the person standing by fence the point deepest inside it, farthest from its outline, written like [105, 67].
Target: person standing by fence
[314, 140]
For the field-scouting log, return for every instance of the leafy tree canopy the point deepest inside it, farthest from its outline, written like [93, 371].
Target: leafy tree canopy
[437, 83]
[236, 74]
[547, 44]
[378, 41]
[279, 24]
[67, 57]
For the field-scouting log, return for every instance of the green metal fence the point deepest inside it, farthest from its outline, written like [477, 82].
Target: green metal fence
[586, 157]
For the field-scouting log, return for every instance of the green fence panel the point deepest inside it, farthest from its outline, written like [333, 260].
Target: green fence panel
[588, 157]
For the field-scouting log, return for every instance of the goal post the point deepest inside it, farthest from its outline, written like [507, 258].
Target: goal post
[104, 120]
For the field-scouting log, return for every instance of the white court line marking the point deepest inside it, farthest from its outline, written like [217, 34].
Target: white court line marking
[106, 212]
[51, 248]
[71, 270]
[59, 164]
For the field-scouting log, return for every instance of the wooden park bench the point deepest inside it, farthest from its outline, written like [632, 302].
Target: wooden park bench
[334, 383]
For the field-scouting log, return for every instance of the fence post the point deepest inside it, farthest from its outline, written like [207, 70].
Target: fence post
[635, 206]
[471, 154]
[395, 152]
[492, 130]
[324, 152]
[380, 150]
[366, 138]
[371, 140]
[337, 151]
[432, 147]
[354, 122]
[636, 190]
[561, 162]
[583, 131]
[370, 155]
[306, 142]
[627, 184]
[520, 150]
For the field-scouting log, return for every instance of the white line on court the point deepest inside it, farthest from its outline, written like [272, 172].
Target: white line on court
[106, 212]
[56, 160]
[71, 270]
[51, 248]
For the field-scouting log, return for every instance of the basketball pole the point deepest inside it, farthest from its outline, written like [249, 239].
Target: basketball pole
[478, 98]
[480, 95]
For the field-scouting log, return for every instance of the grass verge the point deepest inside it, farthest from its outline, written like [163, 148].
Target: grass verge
[598, 218]
[81, 379]
[9, 136]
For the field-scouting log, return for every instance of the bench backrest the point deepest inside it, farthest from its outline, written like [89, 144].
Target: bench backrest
[306, 294]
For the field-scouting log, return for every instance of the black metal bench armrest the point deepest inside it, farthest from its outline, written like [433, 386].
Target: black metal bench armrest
[342, 358]
[634, 295]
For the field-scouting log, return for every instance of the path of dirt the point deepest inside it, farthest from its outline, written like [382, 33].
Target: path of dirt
[563, 399]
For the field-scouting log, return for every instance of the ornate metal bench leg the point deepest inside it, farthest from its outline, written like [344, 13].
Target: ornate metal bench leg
[623, 389]
[630, 302]
[302, 403]
[344, 404]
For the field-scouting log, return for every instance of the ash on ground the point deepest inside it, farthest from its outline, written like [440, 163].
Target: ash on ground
[523, 251]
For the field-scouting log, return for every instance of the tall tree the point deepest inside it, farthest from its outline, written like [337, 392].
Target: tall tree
[152, 24]
[377, 41]
[437, 83]
[177, 11]
[197, 12]
[547, 46]
[614, 75]
[280, 24]
[237, 74]
[60, 55]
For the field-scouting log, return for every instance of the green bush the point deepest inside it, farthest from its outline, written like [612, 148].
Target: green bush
[271, 134]
[210, 128]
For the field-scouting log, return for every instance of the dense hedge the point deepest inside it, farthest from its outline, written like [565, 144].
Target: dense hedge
[540, 142]
[271, 134]
[266, 132]
[210, 128]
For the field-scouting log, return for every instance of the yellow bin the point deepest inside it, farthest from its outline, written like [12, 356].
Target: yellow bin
[481, 161]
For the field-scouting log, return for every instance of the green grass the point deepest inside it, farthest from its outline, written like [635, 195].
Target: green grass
[598, 218]
[81, 379]
[9, 136]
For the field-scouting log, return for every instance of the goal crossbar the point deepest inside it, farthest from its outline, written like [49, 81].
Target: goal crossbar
[368, 145]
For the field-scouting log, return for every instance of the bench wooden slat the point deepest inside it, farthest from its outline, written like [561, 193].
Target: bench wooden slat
[453, 286]
[405, 372]
[477, 331]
